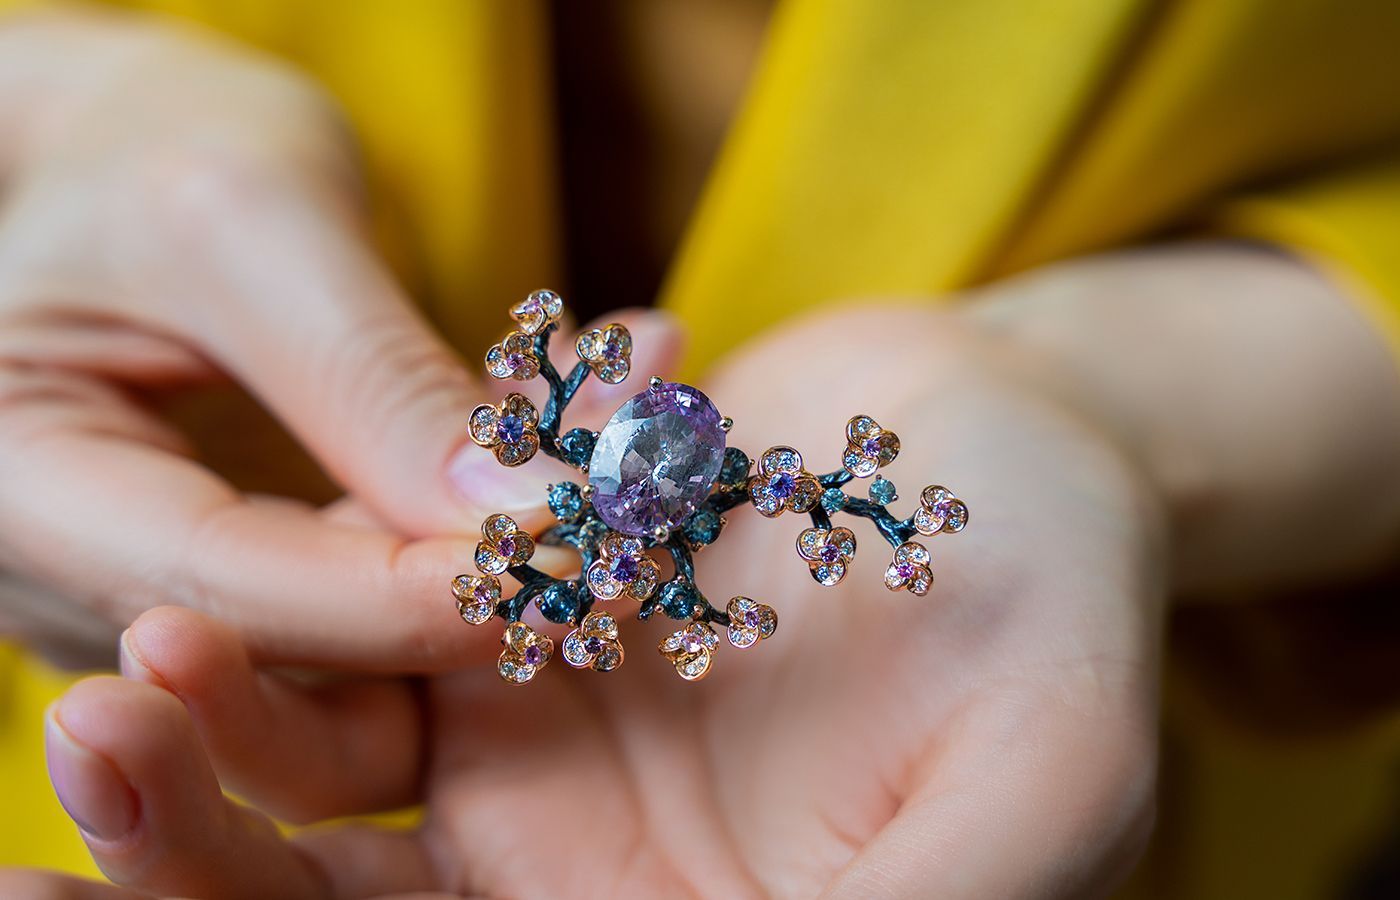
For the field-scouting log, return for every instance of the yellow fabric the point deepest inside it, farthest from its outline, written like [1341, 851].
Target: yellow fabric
[902, 147]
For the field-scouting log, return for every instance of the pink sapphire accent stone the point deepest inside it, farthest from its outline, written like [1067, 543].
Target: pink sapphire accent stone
[656, 459]
[904, 570]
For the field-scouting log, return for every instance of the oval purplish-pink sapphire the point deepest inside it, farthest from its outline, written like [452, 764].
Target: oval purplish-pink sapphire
[656, 459]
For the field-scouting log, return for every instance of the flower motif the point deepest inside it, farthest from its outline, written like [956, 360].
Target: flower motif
[527, 651]
[691, 650]
[828, 552]
[939, 511]
[868, 447]
[750, 622]
[782, 484]
[594, 644]
[909, 571]
[623, 569]
[514, 357]
[608, 352]
[476, 597]
[538, 311]
[502, 545]
[507, 430]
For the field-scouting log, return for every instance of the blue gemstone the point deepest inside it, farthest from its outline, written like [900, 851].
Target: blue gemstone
[782, 485]
[625, 569]
[559, 602]
[882, 491]
[834, 500]
[703, 528]
[566, 501]
[735, 469]
[678, 599]
[576, 446]
[510, 429]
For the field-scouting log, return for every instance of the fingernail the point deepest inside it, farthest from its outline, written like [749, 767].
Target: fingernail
[130, 662]
[492, 487]
[92, 791]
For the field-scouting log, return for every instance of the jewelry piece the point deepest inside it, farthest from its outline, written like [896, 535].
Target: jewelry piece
[660, 478]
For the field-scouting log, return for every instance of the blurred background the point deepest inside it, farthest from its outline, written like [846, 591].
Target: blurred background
[605, 145]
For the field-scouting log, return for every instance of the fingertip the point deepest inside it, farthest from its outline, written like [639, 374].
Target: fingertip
[183, 651]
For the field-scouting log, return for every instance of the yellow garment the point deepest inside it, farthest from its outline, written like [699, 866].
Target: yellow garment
[902, 147]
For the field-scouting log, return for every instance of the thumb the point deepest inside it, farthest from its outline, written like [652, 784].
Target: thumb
[485, 483]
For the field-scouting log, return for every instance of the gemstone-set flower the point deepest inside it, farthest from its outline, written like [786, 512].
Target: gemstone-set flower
[868, 447]
[660, 476]
[538, 311]
[939, 511]
[509, 430]
[502, 545]
[594, 644]
[608, 352]
[909, 570]
[526, 652]
[750, 622]
[477, 597]
[782, 485]
[623, 569]
[828, 551]
[691, 650]
[514, 357]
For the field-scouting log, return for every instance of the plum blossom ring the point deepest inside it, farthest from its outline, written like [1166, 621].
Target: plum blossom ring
[659, 479]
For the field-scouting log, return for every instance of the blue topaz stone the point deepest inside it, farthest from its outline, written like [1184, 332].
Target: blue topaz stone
[882, 491]
[735, 470]
[566, 501]
[560, 602]
[703, 528]
[656, 460]
[576, 446]
[678, 599]
[834, 500]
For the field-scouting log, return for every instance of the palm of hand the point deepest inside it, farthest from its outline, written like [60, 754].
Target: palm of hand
[981, 734]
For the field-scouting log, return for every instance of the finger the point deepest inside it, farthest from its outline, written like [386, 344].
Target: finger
[300, 309]
[300, 752]
[300, 590]
[128, 766]
[33, 884]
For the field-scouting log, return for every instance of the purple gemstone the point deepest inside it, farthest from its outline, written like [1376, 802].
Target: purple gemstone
[782, 485]
[611, 351]
[533, 656]
[510, 429]
[905, 571]
[514, 361]
[751, 618]
[656, 459]
[829, 553]
[506, 546]
[482, 594]
[871, 447]
[692, 642]
[624, 569]
[593, 646]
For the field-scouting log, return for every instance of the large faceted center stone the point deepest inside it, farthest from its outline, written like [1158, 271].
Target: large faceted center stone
[656, 459]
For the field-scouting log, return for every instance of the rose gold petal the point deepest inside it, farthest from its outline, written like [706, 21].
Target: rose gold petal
[517, 637]
[780, 459]
[926, 521]
[497, 526]
[860, 427]
[488, 561]
[481, 425]
[857, 463]
[805, 493]
[810, 542]
[933, 495]
[519, 453]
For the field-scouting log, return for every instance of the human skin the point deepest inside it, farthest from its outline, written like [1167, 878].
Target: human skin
[179, 214]
[994, 738]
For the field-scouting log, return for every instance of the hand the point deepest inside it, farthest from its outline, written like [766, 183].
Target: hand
[179, 213]
[994, 738]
